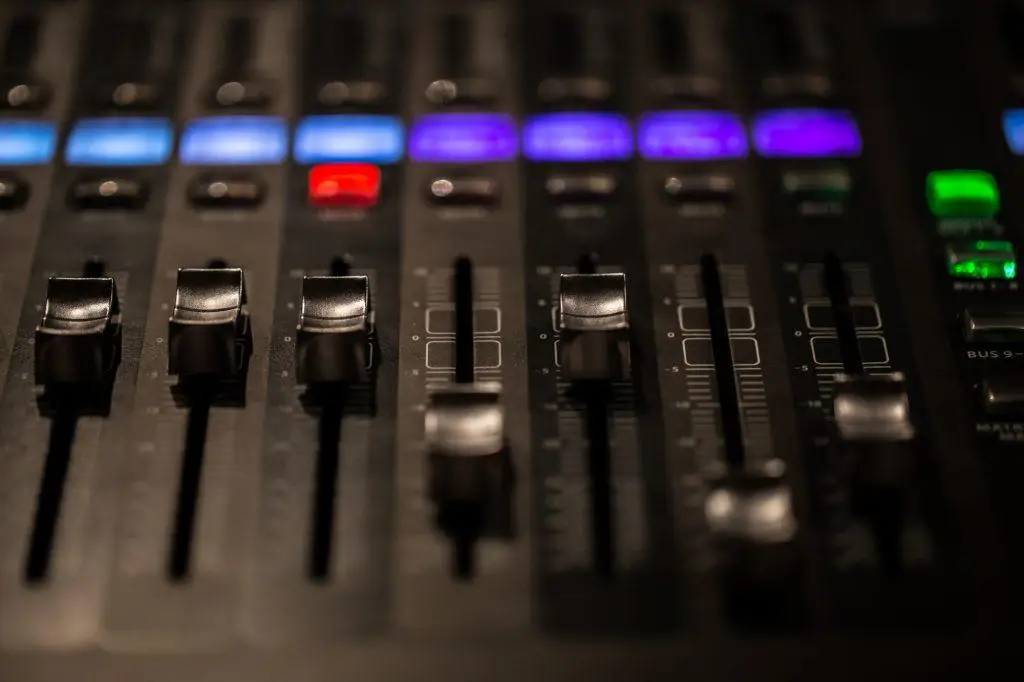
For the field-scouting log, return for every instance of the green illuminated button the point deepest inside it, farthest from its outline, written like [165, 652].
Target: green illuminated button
[982, 260]
[963, 194]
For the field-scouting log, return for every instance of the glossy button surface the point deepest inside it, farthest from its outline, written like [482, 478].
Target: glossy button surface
[344, 185]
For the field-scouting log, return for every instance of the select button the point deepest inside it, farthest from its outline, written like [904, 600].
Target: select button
[994, 325]
[1003, 394]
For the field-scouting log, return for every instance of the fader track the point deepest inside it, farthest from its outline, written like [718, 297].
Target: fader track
[466, 340]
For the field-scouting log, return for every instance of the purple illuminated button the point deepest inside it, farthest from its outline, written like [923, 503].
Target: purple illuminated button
[806, 133]
[464, 138]
[692, 135]
[572, 136]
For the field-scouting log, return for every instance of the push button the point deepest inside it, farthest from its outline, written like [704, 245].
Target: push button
[982, 259]
[962, 194]
[455, 191]
[1003, 394]
[994, 325]
[109, 193]
[25, 95]
[14, 193]
[210, 191]
[592, 187]
[344, 185]
[710, 188]
[130, 96]
[817, 192]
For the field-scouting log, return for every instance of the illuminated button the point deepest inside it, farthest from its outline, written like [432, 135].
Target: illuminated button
[962, 193]
[982, 260]
[345, 185]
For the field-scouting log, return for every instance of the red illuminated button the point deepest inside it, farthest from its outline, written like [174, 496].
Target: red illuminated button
[344, 185]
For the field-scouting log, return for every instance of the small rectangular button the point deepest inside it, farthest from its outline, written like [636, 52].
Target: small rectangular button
[24, 94]
[1003, 394]
[209, 191]
[109, 193]
[14, 193]
[244, 93]
[982, 259]
[130, 96]
[592, 187]
[830, 184]
[994, 325]
[713, 188]
[464, 191]
[344, 185]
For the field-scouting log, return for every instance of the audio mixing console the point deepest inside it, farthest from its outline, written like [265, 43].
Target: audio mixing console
[510, 339]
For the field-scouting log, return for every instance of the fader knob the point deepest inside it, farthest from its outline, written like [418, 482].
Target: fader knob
[593, 321]
[78, 340]
[209, 328]
[333, 330]
[465, 434]
[872, 417]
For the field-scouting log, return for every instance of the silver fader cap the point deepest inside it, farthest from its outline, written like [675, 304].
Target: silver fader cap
[465, 421]
[758, 510]
[593, 302]
[872, 408]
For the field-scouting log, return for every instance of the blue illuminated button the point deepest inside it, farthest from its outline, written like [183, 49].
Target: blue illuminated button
[120, 142]
[464, 138]
[692, 135]
[234, 141]
[333, 139]
[1013, 128]
[27, 143]
[577, 136]
[806, 133]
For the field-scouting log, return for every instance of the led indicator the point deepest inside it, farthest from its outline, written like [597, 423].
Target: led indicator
[464, 138]
[1013, 129]
[692, 136]
[234, 141]
[373, 139]
[576, 137]
[120, 142]
[27, 143]
[344, 185]
[806, 133]
[982, 260]
[962, 194]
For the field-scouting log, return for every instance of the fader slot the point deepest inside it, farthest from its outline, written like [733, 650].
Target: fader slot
[725, 371]
[837, 286]
[596, 396]
[462, 293]
[51, 489]
[179, 559]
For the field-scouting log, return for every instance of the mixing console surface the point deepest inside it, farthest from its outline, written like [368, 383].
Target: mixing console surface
[503, 339]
